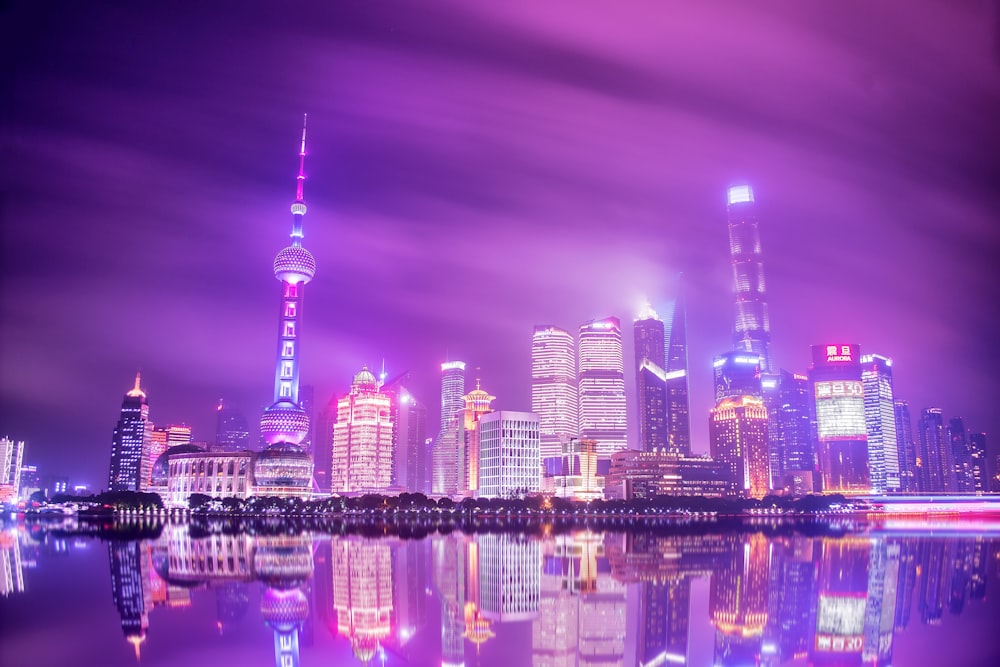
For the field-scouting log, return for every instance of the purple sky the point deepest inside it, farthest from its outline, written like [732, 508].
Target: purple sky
[474, 169]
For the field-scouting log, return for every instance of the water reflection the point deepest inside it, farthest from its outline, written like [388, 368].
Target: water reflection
[589, 598]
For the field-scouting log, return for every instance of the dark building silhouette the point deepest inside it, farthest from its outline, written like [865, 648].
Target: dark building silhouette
[130, 436]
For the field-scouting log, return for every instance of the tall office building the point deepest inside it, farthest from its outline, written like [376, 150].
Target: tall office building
[129, 591]
[880, 421]
[232, 433]
[795, 431]
[130, 437]
[409, 418]
[678, 401]
[477, 403]
[508, 454]
[738, 597]
[445, 465]
[842, 435]
[11, 457]
[553, 386]
[906, 448]
[323, 443]
[362, 439]
[285, 424]
[738, 440]
[752, 330]
[601, 379]
[737, 374]
[961, 455]
[651, 381]
[937, 466]
[977, 452]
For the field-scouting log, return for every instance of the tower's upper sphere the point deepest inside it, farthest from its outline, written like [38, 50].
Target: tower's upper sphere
[298, 208]
[294, 264]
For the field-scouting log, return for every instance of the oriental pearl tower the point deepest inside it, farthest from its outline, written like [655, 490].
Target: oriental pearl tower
[284, 467]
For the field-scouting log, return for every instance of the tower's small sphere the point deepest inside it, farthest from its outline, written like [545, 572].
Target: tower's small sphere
[294, 264]
[298, 208]
[284, 422]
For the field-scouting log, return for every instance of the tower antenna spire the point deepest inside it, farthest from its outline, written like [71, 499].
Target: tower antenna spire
[302, 161]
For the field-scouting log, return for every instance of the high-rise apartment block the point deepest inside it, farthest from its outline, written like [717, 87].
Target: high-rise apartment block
[961, 455]
[509, 463]
[362, 459]
[752, 330]
[880, 421]
[977, 452]
[601, 380]
[842, 435]
[936, 472]
[554, 387]
[131, 435]
[445, 465]
[738, 440]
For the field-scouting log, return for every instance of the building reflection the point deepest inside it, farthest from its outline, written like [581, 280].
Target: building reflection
[11, 565]
[590, 598]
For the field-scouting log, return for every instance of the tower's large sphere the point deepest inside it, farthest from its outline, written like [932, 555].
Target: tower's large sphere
[284, 421]
[284, 610]
[294, 264]
[283, 465]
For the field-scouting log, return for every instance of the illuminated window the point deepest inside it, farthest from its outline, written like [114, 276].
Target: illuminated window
[288, 349]
[289, 330]
[291, 290]
[290, 309]
[287, 369]
[286, 389]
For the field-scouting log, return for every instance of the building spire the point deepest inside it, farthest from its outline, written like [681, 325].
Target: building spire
[299, 205]
[137, 390]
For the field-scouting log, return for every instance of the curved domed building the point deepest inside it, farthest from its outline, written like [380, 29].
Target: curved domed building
[284, 469]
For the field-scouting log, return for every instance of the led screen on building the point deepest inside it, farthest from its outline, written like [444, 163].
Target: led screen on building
[840, 409]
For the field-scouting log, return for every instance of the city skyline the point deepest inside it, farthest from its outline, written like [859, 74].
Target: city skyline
[467, 190]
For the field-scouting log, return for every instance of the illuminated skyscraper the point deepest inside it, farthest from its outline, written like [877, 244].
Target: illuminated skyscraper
[601, 380]
[232, 434]
[738, 440]
[678, 403]
[842, 447]
[160, 440]
[508, 454]
[880, 420]
[362, 439]
[285, 424]
[128, 591]
[130, 437]
[445, 469]
[977, 451]
[651, 380]
[906, 448]
[409, 418]
[477, 403]
[937, 469]
[737, 374]
[11, 457]
[961, 455]
[752, 331]
[554, 386]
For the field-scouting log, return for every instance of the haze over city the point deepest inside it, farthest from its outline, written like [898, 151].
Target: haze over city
[474, 171]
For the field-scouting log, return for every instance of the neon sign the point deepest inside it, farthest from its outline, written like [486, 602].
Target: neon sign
[838, 388]
[839, 353]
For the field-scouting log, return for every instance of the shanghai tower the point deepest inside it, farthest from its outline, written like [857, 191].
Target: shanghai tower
[284, 423]
[752, 331]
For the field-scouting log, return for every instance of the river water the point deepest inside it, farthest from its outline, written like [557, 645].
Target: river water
[204, 595]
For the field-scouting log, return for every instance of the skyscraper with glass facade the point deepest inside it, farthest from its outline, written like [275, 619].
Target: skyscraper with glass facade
[738, 440]
[880, 421]
[651, 380]
[906, 448]
[445, 472]
[130, 436]
[752, 330]
[678, 401]
[554, 387]
[601, 380]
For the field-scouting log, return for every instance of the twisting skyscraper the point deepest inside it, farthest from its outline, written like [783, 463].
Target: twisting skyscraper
[602, 385]
[752, 331]
[131, 434]
[285, 424]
